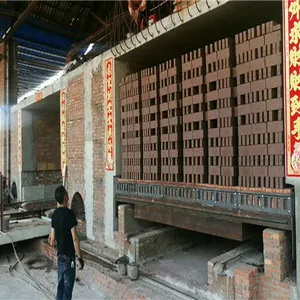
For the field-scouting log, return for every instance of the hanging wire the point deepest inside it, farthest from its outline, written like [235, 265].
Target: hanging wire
[188, 9]
[180, 17]
[162, 24]
[198, 7]
[136, 36]
[155, 23]
[151, 34]
[122, 47]
[145, 38]
[131, 35]
[207, 3]
[111, 50]
[117, 50]
[123, 30]
[125, 42]
[171, 13]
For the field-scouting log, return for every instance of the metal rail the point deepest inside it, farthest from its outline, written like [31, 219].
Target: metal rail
[279, 204]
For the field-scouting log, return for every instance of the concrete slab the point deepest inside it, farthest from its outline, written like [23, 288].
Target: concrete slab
[50, 191]
[25, 230]
[39, 192]
[187, 269]
[33, 193]
[17, 285]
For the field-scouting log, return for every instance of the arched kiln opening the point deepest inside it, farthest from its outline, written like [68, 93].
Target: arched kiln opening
[77, 206]
[14, 190]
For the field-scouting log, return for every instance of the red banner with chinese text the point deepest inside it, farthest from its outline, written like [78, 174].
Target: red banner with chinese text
[109, 165]
[63, 131]
[38, 96]
[20, 141]
[291, 13]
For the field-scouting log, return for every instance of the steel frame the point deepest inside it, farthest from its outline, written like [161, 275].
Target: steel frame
[234, 200]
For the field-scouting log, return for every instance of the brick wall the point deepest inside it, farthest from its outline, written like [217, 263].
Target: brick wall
[46, 128]
[14, 150]
[248, 283]
[110, 283]
[99, 153]
[75, 136]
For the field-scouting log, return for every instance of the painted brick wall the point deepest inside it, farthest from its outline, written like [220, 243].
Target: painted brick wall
[99, 152]
[46, 128]
[75, 136]
[14, 149]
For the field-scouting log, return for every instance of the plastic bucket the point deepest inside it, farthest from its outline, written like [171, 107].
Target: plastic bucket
[133, 271]
[121, 269]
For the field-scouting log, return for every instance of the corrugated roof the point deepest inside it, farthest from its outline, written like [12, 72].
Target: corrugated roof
[44, 39]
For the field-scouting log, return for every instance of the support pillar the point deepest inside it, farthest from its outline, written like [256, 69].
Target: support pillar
[291, 41]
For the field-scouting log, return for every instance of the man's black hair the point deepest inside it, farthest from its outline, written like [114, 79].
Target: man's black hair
[60, 193]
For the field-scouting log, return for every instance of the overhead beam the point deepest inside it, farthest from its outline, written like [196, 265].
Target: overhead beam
[28, 73]
[42, 59]
[11, 30]
[36, 63]
[21, 63]
[37, 24]
[62, 57]
[34, 44]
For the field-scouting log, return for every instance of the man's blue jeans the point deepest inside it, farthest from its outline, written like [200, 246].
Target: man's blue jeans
[66, 277]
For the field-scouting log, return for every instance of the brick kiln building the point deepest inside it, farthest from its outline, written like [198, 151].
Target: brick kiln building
[180, 124]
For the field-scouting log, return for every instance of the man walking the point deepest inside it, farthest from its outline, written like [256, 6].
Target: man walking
[64, 233]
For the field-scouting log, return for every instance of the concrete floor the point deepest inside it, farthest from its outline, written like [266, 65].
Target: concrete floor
[16, 286]
[187, 268]
[26, 229]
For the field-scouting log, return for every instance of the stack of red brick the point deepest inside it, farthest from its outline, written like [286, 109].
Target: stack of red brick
[123, 99]
[170, 116]
[220, 101]
[131, 127]
[194, 139]
[214, 117]
[150, 124]
[260, 106]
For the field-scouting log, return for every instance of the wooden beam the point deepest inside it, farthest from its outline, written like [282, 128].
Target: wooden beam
[239, 216]
[190, 220]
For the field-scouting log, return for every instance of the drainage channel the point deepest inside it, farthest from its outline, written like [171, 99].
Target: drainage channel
[166, 288]
[144, 278]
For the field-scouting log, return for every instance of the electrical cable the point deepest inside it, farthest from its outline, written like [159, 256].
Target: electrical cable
[41, 288]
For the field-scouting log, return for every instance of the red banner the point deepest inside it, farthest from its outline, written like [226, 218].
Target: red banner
[291, 12]
[109, 115]
[20, 141]
[63, 131]
[38, 96]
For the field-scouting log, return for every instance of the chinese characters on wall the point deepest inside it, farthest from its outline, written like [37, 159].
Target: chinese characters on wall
[20, 141]
[63, 140]
[291, 11]
[38, 96]
[109, 115]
